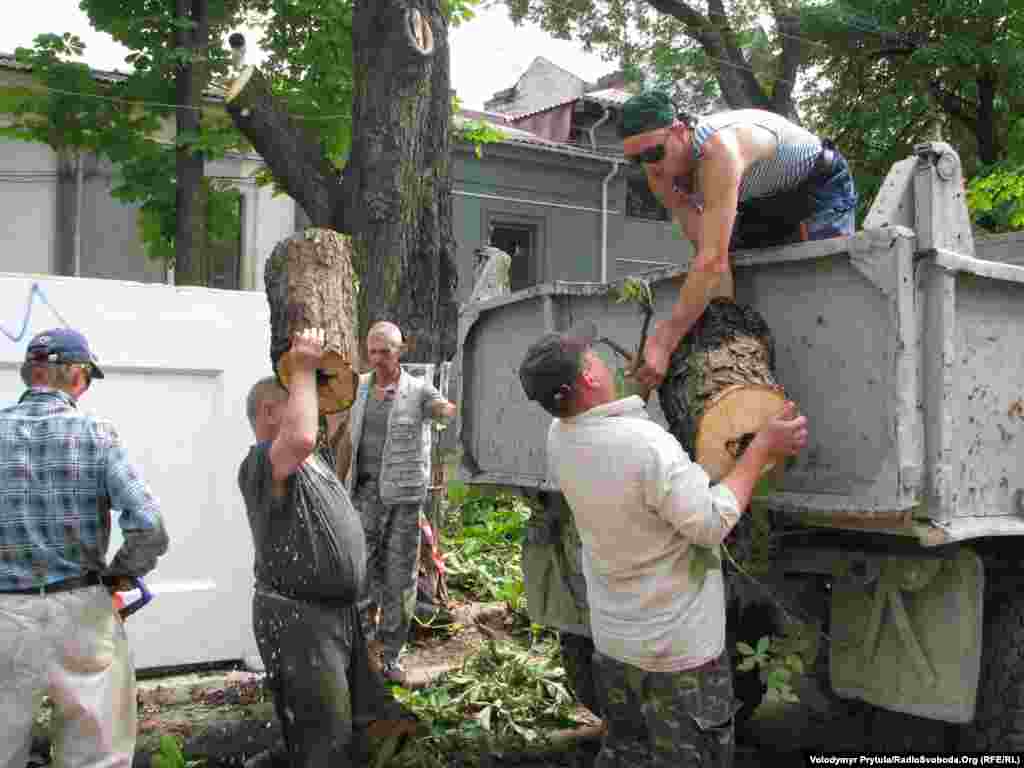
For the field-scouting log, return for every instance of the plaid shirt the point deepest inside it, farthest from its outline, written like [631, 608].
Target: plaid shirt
[61, 472]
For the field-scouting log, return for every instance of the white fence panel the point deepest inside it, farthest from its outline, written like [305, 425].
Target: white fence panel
[179, 362]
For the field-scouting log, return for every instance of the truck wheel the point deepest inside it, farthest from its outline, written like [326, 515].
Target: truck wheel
[999, 719]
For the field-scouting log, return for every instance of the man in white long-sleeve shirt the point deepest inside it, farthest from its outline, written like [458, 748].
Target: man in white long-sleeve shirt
[651, 525]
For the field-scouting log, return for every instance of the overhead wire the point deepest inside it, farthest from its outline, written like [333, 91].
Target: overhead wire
[863, 26]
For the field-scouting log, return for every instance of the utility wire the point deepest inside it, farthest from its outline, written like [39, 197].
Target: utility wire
[854, 22]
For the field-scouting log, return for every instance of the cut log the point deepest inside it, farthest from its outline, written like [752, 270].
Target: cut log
[720, 388]
[310, 283]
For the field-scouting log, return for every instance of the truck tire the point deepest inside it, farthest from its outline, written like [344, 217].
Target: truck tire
[999, 720]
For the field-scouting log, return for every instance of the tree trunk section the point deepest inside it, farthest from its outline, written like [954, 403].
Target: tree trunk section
[310, 283]
[296, 159]
[720, 387]
[399, 173]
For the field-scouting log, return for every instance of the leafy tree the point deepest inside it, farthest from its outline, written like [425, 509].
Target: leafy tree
[121, 121]
[890, 73]
[177, 52]
[996, 194]
[688, 42]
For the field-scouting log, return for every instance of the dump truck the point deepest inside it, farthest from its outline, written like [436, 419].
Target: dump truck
[902, 523]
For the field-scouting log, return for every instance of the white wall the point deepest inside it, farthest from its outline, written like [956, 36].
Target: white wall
[28, 205]
[110, 240]
[179, 362]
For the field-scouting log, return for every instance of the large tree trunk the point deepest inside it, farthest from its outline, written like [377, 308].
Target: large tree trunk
[395, 195]
[399, 171]
[190, 232]
[310, 284]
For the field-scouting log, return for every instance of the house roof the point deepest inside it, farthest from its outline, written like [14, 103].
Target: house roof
[518, 136]
[609, 97]
[606, 97]
[8, 61]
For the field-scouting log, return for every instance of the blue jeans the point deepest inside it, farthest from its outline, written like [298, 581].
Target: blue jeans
[817, 209]
[835, 205]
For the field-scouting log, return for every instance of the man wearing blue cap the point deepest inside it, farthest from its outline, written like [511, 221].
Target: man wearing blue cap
[63, 471]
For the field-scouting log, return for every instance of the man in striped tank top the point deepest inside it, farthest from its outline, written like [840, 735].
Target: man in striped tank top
[744, 178]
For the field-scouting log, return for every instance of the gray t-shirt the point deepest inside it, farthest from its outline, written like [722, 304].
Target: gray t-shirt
[375, 431]
[309, 543]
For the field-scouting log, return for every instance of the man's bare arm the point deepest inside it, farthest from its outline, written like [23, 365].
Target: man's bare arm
[710, 270]
[296, 439]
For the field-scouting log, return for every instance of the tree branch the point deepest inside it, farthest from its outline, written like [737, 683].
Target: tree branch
[295, 159]
[692, 18]
[954, 105]
[735, 76]
[787, 23]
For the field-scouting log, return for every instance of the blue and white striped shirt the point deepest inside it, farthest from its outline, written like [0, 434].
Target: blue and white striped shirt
[61, 472]
[792, 163]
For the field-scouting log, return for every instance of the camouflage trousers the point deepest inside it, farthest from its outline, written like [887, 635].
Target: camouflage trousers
[663, 719]
[392, 561]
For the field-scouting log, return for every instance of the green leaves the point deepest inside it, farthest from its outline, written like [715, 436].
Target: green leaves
[475, 132]
[502, 697]
[637, 290]
[996, 196]
[485, 544]
[169, 755]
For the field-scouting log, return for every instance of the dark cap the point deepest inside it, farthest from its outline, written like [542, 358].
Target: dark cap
[645, 112]
[552, 364]
[60, 346]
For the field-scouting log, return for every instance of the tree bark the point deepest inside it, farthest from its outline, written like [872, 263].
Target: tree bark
[721, 384]
[399, 172]
[395, 195]
[310, 284]
[190, 231]
[989, 149]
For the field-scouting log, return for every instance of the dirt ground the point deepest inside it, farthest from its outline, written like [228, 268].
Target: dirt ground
[186, 705]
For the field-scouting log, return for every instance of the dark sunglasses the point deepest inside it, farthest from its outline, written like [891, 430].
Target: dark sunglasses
[653, 154]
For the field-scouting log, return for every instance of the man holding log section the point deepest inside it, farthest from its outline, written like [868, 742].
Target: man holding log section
[310, 550]
[310, 566]
[651, 524]
[737, 179]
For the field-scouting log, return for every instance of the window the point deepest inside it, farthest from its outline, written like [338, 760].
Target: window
[520, 240]
[641, 202]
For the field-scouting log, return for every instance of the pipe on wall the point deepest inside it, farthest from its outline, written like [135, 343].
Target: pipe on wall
[79, 179]
[601, 121]
[604, 219]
